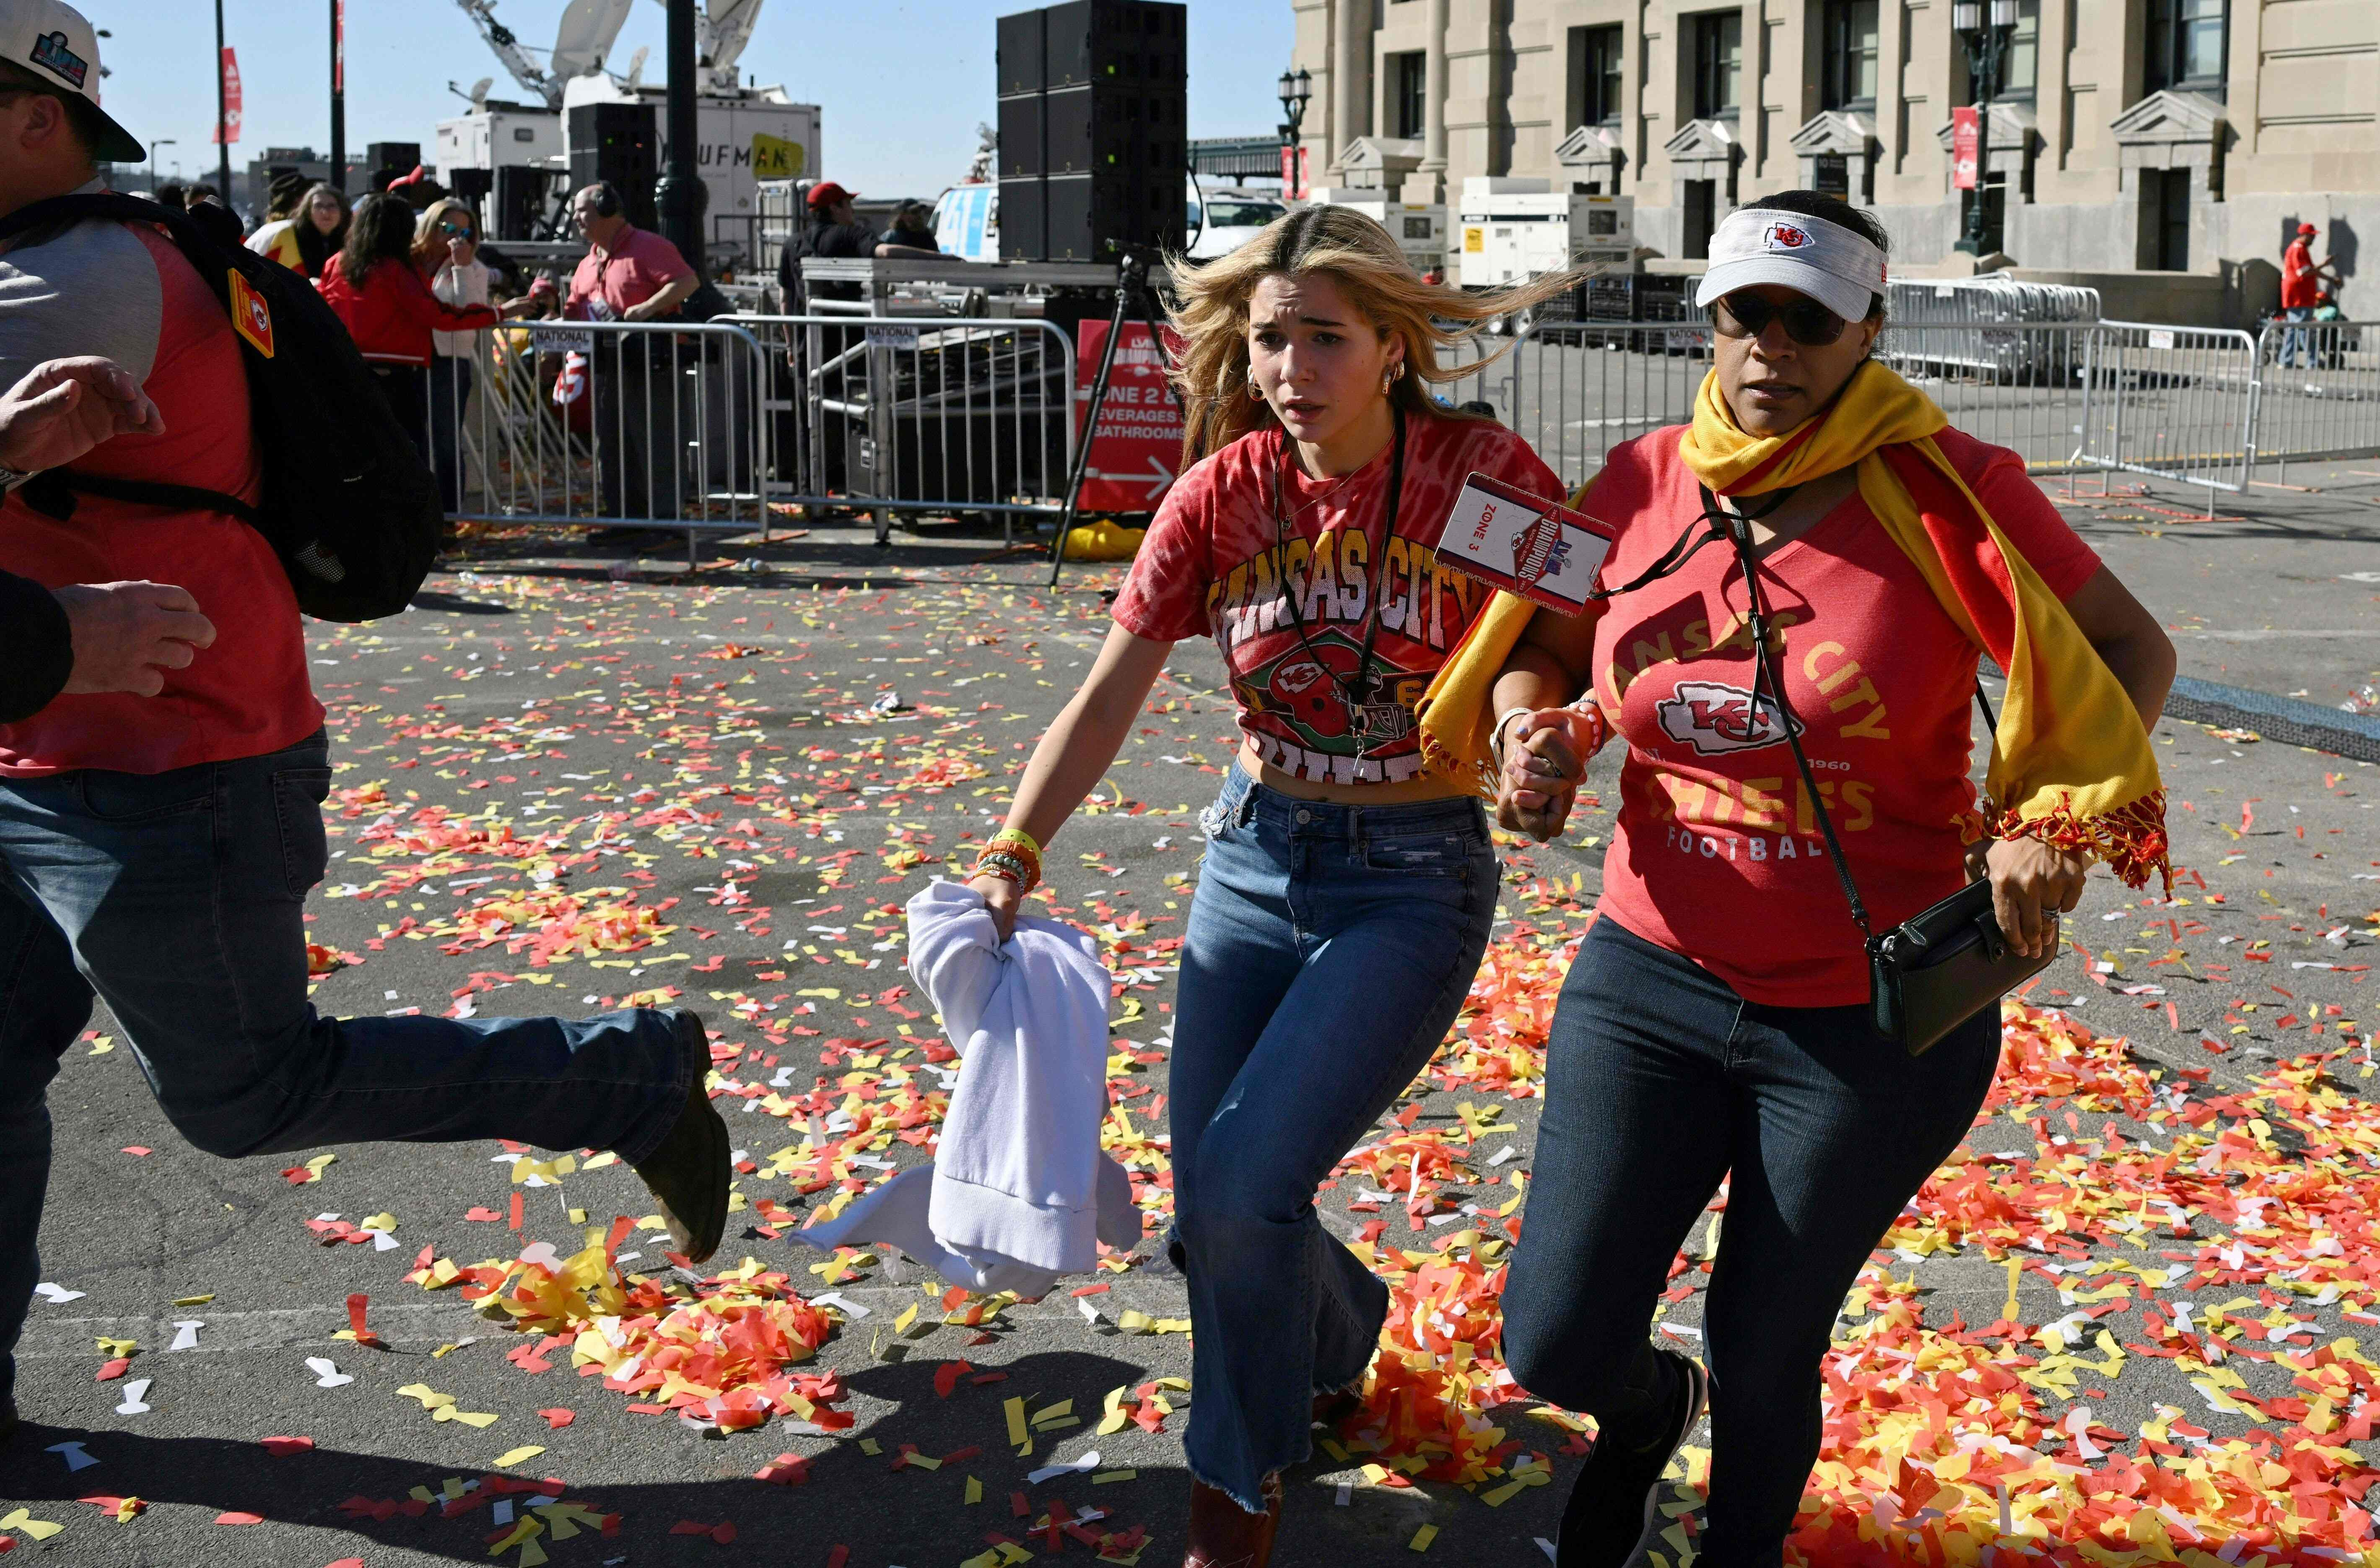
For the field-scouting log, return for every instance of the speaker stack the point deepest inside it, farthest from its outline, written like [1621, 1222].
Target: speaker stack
[618, 142]
[1094, 130]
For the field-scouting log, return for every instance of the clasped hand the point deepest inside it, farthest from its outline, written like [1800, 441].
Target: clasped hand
[1545, 759]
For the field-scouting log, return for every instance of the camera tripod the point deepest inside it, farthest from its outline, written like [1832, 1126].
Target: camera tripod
[1133, 301]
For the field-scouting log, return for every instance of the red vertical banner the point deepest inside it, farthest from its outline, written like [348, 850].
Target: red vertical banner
[338, 49]
[1294, 161]
[229, 131]
[1137, 450]
[1966, 136]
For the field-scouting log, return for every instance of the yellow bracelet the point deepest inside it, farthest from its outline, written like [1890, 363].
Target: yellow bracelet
[1018, 836]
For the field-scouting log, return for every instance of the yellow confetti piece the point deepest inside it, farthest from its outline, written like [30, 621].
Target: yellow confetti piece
[1422, 1537]
[908, 1316]
[1104, 1476]
[2015, 1267]
[103, 1045]
[194, 1300]
[921, 1462]
[379, 1222]
[473, 1419]
[39, 1529]
[1015, 1409]
[430, 1398]
[974, 1490]
[511, 1457]
[1114, 1417]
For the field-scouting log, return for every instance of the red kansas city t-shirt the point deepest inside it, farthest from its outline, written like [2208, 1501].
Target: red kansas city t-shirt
[1213, 563]
[1718, 855]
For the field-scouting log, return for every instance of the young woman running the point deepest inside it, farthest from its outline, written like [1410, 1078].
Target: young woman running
[1346, 895]
[1715, 1023]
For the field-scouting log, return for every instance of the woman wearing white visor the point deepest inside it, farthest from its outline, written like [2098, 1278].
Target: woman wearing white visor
[1715, 1024]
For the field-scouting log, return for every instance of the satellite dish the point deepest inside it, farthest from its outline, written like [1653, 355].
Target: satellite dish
[636, 67]
[731, 29]
[479, 92]
[586, 35]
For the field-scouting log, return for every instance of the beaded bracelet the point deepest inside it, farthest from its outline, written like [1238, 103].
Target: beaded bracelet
[1023, 870]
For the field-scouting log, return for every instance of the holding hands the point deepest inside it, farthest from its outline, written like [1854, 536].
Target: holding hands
[1544, 755]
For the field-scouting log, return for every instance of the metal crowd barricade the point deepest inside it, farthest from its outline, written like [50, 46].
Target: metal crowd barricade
[2022, 386]
[2321, 390]
[920, 415]
[2173, 403]
[648, 424]
[1576, 389]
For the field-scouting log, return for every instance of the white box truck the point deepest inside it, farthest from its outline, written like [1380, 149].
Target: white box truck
[1418, 228]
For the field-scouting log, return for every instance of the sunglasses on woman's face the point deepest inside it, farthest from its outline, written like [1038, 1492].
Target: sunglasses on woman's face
[452, 228]
[1807, 322]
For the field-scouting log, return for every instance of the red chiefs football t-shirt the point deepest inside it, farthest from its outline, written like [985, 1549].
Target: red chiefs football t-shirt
[1215, 563]
[1718, 854]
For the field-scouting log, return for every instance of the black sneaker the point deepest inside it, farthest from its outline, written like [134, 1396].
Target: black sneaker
[7, 1418]
[1613, 1503]
[689, 1173]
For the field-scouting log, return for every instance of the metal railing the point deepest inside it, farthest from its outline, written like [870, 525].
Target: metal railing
[2321, 397]
[909, 414]
[2174, 403]
[603, 423]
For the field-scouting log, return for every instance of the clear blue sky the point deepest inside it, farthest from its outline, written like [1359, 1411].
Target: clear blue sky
[901, 84]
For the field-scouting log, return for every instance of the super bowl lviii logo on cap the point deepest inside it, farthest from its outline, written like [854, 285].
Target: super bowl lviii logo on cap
[49, 52]
[1785, 237]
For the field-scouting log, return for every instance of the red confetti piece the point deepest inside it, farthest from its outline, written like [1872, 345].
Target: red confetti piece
[357, 1304]
[558, 1418]
[111, 1370]
[283, 1446]
[134, 1148]
[234, 1517]
[517, 1212]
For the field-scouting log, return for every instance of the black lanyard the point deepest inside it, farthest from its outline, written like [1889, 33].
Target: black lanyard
[1357, 697]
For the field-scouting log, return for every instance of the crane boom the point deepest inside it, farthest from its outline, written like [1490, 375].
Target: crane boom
[525, 71]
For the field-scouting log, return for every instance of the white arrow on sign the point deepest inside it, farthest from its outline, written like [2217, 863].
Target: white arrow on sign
[1159, 479]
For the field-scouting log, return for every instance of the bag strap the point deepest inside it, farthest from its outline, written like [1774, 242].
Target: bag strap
[52, 493]
[1739, 531]
[101, 204]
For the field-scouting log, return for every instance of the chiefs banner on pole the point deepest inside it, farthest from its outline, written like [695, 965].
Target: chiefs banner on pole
[1965, 142]
[1136, 451]
[229, 131]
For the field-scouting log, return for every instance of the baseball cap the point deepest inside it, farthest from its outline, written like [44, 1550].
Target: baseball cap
[826, 193]
[1836, 267]
[56, 44]
[2308, 228]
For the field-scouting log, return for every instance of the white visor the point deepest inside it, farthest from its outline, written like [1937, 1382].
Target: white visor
[1831, 263]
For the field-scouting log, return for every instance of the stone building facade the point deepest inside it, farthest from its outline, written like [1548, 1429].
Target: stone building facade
[2179, 136]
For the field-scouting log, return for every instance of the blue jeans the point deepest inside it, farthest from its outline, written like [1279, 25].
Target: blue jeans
[179, 898]
[2297, 342]
[1329, 949]
[450, 388]
[1660, 1080]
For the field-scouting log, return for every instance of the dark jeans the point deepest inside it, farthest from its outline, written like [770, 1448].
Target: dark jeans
[450, 389]
[637, 442]
[407, 389]
[1328, 948]
[180, 897]
[1660, 1080]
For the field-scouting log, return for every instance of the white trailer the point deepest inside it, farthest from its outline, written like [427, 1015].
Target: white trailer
[743, 138]
[1419, 228]
[497, 135]
[1515, 229]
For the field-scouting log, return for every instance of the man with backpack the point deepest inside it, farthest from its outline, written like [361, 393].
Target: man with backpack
[157, 851]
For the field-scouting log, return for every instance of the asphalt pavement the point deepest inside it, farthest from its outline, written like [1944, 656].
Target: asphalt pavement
[567, 779]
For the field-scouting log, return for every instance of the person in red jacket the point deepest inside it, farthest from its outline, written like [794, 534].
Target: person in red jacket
[379, 291]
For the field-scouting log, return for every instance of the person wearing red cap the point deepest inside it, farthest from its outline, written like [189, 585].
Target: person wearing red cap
[2301, 291]
[835, 230]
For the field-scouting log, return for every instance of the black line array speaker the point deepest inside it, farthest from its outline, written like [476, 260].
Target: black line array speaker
[618, 142]
[1094, 134]
[518, 201]
[385, 160]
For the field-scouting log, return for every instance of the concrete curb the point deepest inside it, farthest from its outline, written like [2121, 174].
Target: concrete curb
[2285, 719]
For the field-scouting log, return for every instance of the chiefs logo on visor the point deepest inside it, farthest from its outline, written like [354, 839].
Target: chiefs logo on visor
[1785, 237]
[1713, 718]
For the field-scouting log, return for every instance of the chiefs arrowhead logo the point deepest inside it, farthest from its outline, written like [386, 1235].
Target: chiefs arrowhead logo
[250, 316]
[1714, 719]
[1785, 237]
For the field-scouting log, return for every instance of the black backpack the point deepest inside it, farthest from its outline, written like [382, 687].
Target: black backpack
[348, 503]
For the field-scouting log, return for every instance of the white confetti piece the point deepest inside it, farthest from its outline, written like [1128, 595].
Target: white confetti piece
[187, 1334]
[836, 1298]
[56, 1295]
[1065, 1468]
[135, 1392]
[327, 1374]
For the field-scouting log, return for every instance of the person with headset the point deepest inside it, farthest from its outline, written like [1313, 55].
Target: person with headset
[628, 275]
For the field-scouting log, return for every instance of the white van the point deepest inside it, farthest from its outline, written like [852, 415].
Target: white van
[1226, 218]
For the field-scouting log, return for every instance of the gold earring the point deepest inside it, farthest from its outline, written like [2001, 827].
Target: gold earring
[1255, 392]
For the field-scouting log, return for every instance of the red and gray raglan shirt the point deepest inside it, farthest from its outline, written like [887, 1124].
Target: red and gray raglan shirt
[1219, 561]
[124, 291]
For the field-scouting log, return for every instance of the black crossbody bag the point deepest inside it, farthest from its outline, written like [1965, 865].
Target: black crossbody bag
[1942, 965]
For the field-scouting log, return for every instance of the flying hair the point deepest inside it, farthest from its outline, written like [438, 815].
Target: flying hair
[1212, 316]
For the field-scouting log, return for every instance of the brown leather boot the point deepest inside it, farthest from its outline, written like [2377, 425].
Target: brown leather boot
[1224, 1535]
[688, 1173]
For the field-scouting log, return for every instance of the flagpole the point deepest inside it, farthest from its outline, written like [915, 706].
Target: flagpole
[338, 97]
[222, 125]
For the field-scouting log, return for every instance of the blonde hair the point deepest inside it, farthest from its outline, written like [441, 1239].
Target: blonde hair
[1357, 254]
[429, 245]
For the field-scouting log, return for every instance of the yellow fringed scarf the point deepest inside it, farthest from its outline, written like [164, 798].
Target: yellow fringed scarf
[2070, 760]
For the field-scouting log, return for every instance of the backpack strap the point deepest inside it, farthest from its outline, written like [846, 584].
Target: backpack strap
[98, 204]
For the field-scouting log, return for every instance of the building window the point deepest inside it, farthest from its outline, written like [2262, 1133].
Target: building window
[2188, 43]
[1851, 54]
[2021, 65]
[2165, 220]
[1595, 76]
[1718, 64]
[1408, 85]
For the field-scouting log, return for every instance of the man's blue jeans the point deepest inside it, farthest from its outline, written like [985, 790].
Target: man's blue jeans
[1659, 1081]
[1329, 949]
[179, 898]
[2297, 342]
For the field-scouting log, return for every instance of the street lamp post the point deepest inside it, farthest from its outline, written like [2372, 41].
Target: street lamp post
[1296, 87]
[1986, 45]
[162, 142]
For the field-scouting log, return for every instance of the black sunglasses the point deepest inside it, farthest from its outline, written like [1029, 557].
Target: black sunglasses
[1807, 322]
